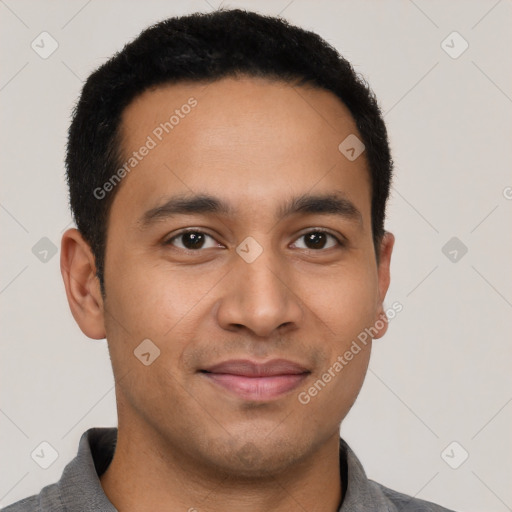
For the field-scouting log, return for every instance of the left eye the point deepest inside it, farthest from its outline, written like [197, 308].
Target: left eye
[194, 240]
[318, 238]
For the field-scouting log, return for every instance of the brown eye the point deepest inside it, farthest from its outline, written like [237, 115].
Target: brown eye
[317, 239]
[190, 240]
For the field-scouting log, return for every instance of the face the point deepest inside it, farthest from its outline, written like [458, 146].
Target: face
[249, 298]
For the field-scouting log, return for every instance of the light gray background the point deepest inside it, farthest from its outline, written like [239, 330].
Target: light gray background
[442, 372]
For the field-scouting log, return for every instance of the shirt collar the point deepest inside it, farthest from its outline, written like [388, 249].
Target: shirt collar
[359, 495]
[80, 486]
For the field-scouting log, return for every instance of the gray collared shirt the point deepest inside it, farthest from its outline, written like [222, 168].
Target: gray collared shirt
[79, 488]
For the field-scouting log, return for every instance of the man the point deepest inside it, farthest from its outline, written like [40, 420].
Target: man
[228, 176]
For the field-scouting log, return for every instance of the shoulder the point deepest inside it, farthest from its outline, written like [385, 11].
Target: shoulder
[48, 500]
[397, 501]
[26, 504]
[364, 494]
[79, 487]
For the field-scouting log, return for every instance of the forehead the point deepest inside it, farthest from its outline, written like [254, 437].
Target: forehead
[252, 138]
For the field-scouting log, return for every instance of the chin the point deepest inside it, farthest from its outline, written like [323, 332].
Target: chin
[257, 458]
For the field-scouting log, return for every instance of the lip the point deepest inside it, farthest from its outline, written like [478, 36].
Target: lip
[255, 381]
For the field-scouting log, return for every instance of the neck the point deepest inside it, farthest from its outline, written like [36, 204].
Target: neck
[145, 476]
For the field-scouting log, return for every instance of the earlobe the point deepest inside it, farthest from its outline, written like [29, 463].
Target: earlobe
[77, 266]
[384, 277]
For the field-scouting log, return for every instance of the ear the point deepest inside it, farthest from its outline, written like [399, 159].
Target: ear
[385, 250]
[78, 269]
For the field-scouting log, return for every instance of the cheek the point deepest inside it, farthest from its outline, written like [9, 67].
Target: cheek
[345, 299]
[153, 298]
[346, 304]
[157, 302]
[330, 396]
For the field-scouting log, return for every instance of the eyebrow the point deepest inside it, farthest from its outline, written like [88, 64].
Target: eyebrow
[324, 204]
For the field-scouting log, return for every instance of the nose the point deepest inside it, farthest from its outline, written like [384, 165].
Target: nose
[260, 297]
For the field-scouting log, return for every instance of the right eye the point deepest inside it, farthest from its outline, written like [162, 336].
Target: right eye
[190, 240]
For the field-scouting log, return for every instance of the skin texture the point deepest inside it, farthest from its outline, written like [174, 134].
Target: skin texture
[184, 442]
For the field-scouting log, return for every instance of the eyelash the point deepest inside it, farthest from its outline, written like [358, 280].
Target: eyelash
[339, 240]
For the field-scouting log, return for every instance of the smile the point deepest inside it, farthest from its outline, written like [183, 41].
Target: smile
[257, 382]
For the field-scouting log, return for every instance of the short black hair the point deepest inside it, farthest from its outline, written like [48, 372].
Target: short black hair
[205, 47]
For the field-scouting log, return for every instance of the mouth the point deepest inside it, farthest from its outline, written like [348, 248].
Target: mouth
[255, 381]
